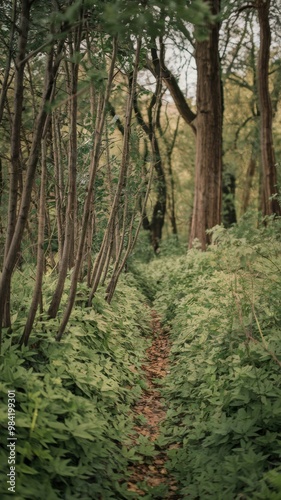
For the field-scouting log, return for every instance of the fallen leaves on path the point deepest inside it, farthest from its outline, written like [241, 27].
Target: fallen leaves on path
[151, 407]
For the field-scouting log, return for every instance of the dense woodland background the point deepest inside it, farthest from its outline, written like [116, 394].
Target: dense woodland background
[100, 140]
[131, 133]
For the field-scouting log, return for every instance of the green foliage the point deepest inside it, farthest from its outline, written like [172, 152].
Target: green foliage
[224, 389]
[73, 400]
[128, 17]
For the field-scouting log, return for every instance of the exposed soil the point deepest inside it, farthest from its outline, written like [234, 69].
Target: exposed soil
[152, 471]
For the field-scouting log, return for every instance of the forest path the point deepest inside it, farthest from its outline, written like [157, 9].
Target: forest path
[150, 479]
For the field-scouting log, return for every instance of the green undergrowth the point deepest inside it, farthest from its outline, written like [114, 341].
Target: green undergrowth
[73, 398]
[223, 425]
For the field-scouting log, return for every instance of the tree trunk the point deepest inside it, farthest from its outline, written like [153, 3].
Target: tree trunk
[132, 241]
[159, 69]
[40, 249]
[88, 200]
[24, 23]
[11, 258]
[122, 176]
[208, 163]
[170, 148]
[59, 184]
[159, 210]
[269, 180]
[68, 247]
[1, 194]
[249, 182]
[228, 190]
[16, 140]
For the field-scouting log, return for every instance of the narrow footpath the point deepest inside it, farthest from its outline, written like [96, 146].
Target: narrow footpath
[152, 471]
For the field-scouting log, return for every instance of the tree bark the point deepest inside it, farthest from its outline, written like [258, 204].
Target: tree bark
[68, 255]
[16, 140]
[24, 23]
[160, 70]
[208, 163]
[159, 210]
[59, 184]
[228, 190]
[40, 249]
[171, 195]
[122, 175]
[88, 200]
[1, 194]
[132, 241]
[11, 258]
[269, 180]
[249, 182]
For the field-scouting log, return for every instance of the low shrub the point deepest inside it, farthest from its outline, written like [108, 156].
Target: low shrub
[73, 400]
[223, 426]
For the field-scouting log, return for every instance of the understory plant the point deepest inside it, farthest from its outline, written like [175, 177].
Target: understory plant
[73, 399]
[223, 425]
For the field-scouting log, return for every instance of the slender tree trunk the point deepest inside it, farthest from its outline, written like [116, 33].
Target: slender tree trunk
[100, 261]
[270, 203]
[88, 200]
[132, 238]
[59, 186]
[170, 148]
[24, 24]
[40, 249]
[1, 194]
[228, 190]
[107, 238]
[49, 235]
[249, 182]
[101, 256]
[159, 210]
[172, 202]
[142, 206]
[16, 140]
[90, 236]
[11, 258]
[208, 163]
[120, 262]
[68, 247]
[132, 241]
[125, 158]
[107, 262]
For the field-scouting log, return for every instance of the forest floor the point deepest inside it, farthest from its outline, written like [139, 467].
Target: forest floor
[151, 474]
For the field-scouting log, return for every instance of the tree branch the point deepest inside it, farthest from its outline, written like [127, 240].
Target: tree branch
[160, 70]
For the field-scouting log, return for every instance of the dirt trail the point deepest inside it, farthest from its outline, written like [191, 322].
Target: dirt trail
[153, 471]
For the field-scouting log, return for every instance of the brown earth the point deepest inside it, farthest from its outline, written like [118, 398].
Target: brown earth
[150, 406]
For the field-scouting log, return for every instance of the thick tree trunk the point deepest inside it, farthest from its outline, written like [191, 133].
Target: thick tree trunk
[269, 180]
[208, 165]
